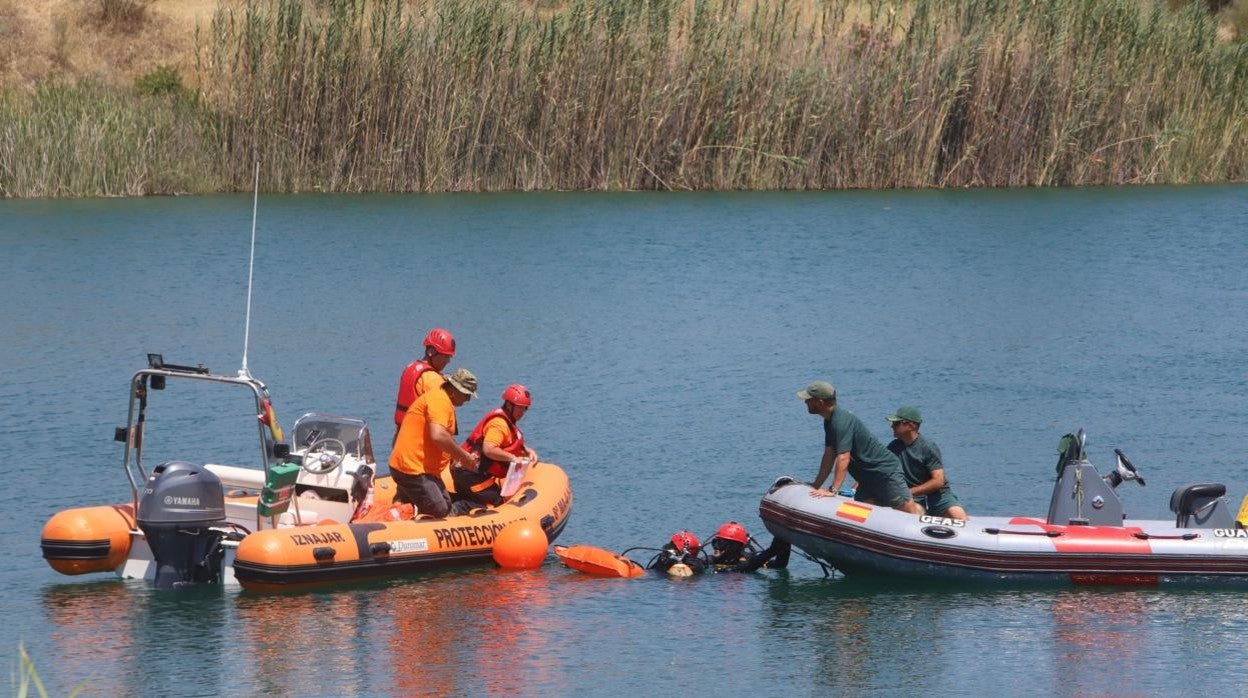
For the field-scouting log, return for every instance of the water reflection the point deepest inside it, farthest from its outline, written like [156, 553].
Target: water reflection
[309, 638]
[865, 635]
[91, 632]
[1095, 630]
[120, 638]
[480, 630]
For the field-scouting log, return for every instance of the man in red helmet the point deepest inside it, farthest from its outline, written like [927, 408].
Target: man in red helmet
[423, 375]
[735, 551]
[498, 442]
[426, 445]
[730, 545]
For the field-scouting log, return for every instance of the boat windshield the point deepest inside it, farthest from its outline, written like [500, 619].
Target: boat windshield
[353, 433]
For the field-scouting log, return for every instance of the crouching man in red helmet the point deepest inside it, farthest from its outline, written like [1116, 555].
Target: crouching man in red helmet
[423, 375]
[498, 441]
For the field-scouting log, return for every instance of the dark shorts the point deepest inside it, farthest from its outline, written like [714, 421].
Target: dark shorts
[938, 504]
[886, 489]
[426, 492]
[466, 480]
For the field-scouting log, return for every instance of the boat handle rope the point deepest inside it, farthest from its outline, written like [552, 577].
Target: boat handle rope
[997, 531]
[1150, 536]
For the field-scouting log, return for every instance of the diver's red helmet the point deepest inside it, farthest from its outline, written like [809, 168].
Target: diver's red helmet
[733, 531]
[685, 542]
[441, 341]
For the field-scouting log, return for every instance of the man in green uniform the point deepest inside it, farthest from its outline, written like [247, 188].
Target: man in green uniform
[850, 449]
[921, 465]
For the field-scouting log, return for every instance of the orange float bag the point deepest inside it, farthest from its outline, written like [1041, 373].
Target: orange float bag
[383, 514]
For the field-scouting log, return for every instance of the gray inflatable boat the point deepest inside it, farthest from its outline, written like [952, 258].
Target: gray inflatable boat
[1085, 539]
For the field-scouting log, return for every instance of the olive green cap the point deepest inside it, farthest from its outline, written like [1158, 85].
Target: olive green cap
[822, 390]
[906, 414]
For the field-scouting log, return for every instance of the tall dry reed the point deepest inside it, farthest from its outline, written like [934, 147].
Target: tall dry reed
[434, 95]
[639, 94]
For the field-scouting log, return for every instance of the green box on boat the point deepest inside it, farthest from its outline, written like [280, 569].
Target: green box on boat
[278, 488]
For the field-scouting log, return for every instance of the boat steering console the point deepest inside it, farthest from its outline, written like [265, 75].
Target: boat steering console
[323, 456]
[1082, 497]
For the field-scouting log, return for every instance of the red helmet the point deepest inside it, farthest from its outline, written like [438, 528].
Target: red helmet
[733, 531]
[685, 542]
[441, 341]
[518, 395]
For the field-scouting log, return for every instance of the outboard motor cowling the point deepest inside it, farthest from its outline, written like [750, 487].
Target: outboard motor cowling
[181, 504]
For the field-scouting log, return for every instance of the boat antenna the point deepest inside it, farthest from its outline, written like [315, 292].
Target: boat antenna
[251, 266]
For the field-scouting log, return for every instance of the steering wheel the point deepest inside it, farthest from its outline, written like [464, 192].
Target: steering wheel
[1129, 466]
[323, 456]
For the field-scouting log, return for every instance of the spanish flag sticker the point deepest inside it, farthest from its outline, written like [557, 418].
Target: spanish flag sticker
[854, 512]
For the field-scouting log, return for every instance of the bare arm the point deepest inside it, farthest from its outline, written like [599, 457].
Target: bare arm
[831, 459]
[931, 486]
[443, 438]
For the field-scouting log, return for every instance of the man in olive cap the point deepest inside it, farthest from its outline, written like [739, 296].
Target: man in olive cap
[426, 445]
[922, 466]
[850, 449]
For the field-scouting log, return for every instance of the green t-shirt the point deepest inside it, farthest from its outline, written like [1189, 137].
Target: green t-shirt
[918, 460]
[868, 458]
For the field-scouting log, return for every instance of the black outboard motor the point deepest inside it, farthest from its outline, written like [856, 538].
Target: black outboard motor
[180, 505]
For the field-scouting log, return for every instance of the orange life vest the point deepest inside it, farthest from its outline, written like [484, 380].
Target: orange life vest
[515, 446]
[407, 388]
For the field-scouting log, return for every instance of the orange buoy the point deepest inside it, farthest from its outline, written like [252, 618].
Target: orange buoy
[592, 560]
[520, 545]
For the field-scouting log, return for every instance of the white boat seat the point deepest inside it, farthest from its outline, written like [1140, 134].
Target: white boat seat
[234, 476]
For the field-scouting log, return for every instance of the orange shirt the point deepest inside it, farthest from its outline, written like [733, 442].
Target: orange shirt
[414, 452]
[497, 432]
[428, 382]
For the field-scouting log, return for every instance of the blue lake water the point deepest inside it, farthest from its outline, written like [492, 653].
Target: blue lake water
[663, 338]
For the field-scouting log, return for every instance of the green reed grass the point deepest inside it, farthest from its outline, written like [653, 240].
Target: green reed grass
[452, 95]
[89, 139]
[27, 682]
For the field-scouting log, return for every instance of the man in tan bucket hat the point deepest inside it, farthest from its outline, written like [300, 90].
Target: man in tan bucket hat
[426, 445]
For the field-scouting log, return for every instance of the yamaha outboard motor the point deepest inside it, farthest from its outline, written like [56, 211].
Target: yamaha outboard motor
[181, 504]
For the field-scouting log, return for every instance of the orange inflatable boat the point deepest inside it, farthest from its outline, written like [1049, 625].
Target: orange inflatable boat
[285, 557]
[311, 513]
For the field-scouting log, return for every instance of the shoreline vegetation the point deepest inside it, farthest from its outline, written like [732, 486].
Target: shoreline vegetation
[485, 95]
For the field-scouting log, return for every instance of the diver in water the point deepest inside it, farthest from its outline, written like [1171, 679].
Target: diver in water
[773, 557]
[736, 551]
[732, 550]
[682, 556]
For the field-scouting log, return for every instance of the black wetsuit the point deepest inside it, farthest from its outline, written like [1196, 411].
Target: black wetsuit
[669, 556]
[775, 557]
